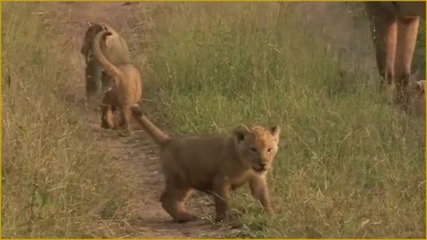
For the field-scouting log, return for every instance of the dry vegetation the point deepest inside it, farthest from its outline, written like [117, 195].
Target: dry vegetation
[348, 166]
[56, 178]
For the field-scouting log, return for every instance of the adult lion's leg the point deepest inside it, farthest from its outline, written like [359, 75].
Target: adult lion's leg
[406, 41]
[384, 35]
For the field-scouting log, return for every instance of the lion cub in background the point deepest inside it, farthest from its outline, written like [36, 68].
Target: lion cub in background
[213, 164]
[115, 49]
[126, 87]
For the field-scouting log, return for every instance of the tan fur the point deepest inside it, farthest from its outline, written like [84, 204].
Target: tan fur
[213, 164]
[126, 89]
[115, 50]
[394, 28]
[108, 108]
[417, 102]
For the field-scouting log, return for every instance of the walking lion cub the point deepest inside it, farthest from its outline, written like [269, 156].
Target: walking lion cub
[126, 88]
[115, 49]
[213, 164]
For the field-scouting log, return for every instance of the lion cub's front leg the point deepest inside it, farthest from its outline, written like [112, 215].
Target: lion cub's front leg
[221, 193]
[260, 191]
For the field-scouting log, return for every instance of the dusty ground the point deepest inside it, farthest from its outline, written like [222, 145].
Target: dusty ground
[136, 154]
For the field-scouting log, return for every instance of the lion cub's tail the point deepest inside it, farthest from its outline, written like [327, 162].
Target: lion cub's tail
[158, 135]
[99, 56]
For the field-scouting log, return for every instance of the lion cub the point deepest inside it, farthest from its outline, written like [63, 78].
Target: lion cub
[126, 88]
[115, 50]
[213, 164]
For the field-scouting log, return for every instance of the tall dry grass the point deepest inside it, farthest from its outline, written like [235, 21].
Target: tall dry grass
[56, 178]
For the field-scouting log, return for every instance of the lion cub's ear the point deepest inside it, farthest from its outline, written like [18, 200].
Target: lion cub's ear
[275, 131]
[240, 131]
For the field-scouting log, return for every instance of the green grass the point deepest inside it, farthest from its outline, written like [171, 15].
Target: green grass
[348, 165]
[56, 178]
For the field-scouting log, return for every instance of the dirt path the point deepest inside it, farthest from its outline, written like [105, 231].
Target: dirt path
[136, 154]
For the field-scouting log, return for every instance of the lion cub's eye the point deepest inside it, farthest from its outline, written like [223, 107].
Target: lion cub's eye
[253, 149]
[269, 150]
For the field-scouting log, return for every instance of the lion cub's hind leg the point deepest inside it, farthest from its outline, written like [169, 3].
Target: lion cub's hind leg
[173, 199]
[108, 108]
[125, 116]
[107, 118]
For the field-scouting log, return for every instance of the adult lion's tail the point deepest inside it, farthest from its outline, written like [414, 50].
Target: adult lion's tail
[99, 56]
[158, 135]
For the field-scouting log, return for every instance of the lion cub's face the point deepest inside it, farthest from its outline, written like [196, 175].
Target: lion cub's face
[257, 146]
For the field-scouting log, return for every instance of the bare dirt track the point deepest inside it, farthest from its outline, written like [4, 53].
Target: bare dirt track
[136, 154]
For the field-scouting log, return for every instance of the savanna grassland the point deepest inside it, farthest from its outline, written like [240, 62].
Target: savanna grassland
[349, 165]
[54, 184]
